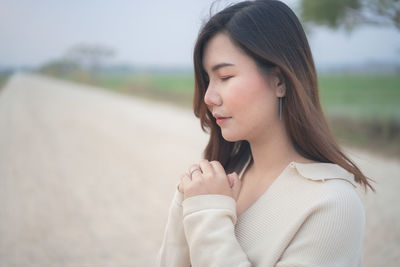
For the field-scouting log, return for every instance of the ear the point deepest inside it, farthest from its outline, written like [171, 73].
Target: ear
[279, 83]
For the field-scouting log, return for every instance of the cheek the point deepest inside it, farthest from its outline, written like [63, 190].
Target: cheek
[243, 93]
[252, 96]
[261, 112]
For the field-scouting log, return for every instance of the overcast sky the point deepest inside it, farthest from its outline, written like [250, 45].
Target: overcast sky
[154, 32]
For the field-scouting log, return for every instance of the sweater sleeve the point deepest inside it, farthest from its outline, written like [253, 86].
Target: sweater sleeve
[174, 250]
[332, 235]
[209, 222]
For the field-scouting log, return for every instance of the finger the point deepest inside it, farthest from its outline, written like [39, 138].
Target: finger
[179, 187]
[195, 172]
[186, 179]
[237, 185]
[218, 168]
[183, 175]
[206, 168]
[196, 175]
[193, 167]
[231, 179]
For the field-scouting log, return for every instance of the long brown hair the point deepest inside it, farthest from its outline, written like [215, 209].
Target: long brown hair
[270, 33]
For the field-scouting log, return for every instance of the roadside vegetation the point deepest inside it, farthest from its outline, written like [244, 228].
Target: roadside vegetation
[363, 109]
[4, 75]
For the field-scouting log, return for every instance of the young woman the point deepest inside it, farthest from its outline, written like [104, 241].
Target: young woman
[274, 188]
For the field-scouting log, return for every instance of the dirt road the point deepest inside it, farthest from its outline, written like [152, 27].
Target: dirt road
[86, 177]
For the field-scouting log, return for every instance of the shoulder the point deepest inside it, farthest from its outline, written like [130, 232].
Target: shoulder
[329, 188]
[319, 171]
[328, 177]
[329, 216]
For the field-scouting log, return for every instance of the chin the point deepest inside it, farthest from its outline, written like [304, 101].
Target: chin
[231, 138]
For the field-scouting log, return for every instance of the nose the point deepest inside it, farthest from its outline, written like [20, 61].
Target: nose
[212, 97]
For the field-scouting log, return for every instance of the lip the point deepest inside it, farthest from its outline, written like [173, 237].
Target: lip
[221, 120]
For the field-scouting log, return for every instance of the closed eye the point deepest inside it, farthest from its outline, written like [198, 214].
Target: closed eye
[226, 78]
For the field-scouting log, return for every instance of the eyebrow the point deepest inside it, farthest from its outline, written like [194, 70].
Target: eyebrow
[221, 65]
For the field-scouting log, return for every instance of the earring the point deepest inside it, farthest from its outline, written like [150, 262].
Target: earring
[280, 105]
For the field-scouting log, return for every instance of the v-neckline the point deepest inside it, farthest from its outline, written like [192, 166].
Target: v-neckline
[279, 177]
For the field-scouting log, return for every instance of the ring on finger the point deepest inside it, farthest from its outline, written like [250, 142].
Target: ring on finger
[192, 171]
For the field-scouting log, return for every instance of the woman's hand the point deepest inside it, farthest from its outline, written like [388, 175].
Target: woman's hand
[209, 178]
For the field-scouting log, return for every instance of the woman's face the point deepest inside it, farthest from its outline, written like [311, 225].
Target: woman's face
[239, 91]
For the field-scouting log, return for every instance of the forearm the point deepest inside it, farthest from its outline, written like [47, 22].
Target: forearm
[209, 222]
[174, 249]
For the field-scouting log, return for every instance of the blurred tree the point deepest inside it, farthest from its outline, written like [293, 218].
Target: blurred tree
[81, 62]
[59, 67]
[350, 13]
[90, 57]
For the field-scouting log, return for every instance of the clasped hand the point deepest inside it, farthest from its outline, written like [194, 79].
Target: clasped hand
[209, 179]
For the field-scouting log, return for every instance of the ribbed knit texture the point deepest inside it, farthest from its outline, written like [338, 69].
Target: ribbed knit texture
[310, 215]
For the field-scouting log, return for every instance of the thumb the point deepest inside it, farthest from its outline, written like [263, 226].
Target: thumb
[236, 184]
[231, 179]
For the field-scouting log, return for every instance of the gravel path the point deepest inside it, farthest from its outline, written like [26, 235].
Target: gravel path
[86, 177]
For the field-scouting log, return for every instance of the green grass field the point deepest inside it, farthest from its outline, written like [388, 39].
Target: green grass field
[361, 96]
[3, 79]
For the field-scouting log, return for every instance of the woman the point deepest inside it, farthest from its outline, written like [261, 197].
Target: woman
[293, 202]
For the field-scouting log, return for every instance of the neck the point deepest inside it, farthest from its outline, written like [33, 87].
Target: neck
[272, 153]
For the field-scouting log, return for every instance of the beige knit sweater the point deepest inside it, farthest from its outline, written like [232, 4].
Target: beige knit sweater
[310, 215]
